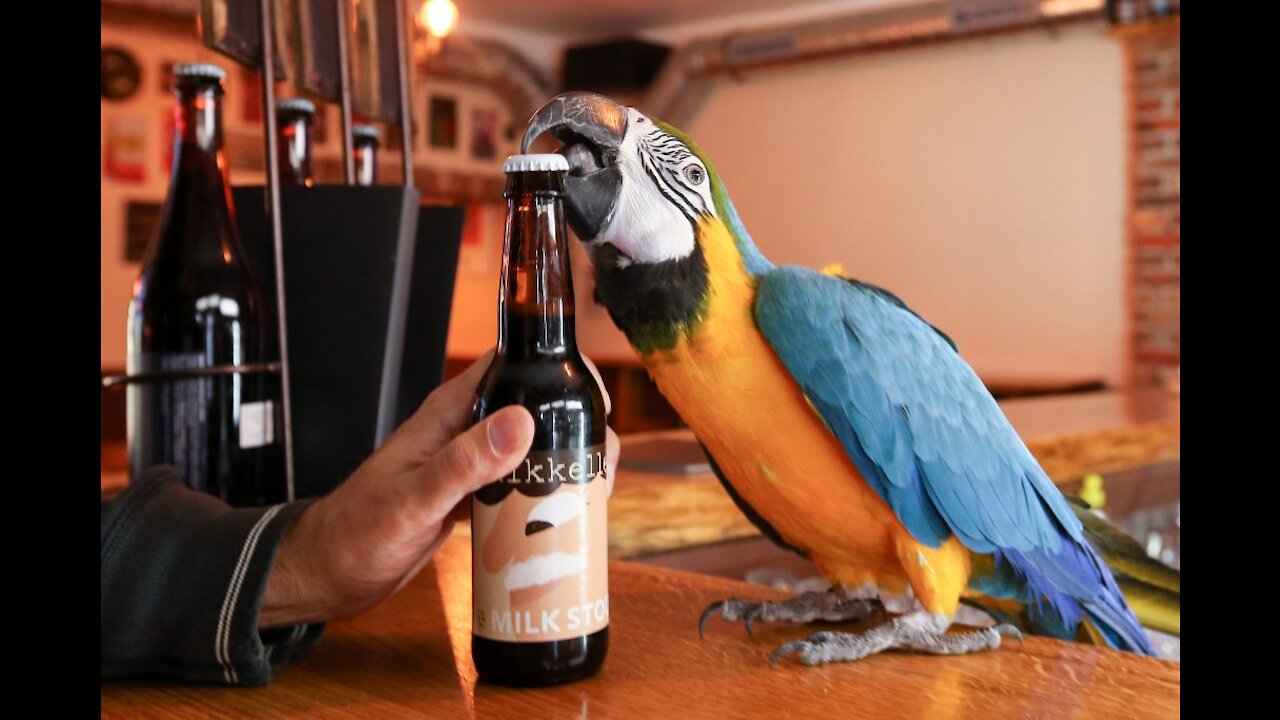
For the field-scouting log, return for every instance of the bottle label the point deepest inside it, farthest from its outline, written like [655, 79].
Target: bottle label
[540, 549]
[214, 429]
[257, 424]
[177, 417]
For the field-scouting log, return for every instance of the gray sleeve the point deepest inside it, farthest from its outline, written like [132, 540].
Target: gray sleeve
[183, 576]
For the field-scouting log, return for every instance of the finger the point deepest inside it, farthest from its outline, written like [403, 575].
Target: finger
[595, 373]
[612, 450]
[446, 411]
[477, 457]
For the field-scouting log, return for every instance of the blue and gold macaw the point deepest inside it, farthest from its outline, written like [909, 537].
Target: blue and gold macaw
[842, 423]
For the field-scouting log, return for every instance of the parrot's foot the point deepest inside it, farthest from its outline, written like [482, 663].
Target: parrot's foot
[921, 631]
[832, 605]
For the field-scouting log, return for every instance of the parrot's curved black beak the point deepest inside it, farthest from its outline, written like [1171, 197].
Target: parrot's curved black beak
[592, 128]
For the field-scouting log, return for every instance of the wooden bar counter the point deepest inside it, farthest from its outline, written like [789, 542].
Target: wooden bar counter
[411, 657]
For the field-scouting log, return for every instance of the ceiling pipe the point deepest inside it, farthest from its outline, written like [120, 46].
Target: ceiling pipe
[686, 78]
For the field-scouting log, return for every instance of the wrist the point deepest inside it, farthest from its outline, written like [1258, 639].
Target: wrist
[293, 595]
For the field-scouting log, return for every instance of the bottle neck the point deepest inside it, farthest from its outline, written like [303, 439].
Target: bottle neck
[294, 148]
[197, 224]
[535, 307]
[197, 135]
[366, 162]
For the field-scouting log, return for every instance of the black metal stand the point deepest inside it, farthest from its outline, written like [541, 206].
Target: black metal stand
[277, 244]
[369, 284]
[357, 281]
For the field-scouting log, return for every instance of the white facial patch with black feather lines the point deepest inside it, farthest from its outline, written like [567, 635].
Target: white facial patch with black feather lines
[665, 190]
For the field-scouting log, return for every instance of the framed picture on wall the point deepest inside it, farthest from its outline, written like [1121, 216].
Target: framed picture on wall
[233, 28]
[317, 51]
[124, 151]
[484, 134]
[443, 114]
[374, 67]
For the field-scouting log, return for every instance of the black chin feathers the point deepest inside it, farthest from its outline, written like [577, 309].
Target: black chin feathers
[653, 303]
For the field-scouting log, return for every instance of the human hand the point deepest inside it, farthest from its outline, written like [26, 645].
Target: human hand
[361, 543]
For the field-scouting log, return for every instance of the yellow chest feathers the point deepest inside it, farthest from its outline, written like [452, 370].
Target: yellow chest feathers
[774, 448]
[733, 391]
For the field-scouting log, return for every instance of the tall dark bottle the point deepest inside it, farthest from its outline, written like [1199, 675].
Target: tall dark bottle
[198, 311]
[294, 120]
[365, 138]
[539, 538]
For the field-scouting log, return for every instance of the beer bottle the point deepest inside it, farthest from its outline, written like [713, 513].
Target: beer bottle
[294, 118]
[198, 310]
[539, 540]
[365, 139]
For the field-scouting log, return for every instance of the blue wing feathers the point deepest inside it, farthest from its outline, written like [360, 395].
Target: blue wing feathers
[894, 359]
[924, 431]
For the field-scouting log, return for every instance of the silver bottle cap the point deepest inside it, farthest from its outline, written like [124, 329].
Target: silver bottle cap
[199, 70]
[297, 104]
[368, 132]
[534, 163]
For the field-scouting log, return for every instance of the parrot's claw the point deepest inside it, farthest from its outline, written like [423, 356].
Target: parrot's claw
[752, 615]
[920, 631]
[715, 607]
[789, 647]
[832, 605]
[1010, 631]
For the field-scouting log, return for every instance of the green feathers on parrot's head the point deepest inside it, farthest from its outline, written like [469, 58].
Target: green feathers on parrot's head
[639, 195]
[725, 211]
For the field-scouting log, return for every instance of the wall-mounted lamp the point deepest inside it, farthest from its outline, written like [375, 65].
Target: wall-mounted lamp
[438, 17]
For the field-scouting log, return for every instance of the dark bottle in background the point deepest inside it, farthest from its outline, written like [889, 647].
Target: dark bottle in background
[365, 140]
[294, 122]
[197, 306]
[539, 536]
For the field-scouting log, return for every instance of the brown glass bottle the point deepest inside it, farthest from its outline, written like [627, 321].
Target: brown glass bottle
[294, 119]
[365, 138]
[540, 573]
[196, 305]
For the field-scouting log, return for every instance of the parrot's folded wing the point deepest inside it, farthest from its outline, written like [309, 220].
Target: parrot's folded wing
[926, 434]
[915, 419]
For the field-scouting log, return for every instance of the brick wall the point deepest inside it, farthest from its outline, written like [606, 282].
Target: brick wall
[1155, 207]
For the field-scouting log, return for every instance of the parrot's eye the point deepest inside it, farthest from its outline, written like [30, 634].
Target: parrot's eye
[695, 174]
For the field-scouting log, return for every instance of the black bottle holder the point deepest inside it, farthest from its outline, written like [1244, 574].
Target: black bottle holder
[365, 286]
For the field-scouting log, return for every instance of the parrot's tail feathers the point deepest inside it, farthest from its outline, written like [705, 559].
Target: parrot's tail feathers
[1112, 618]
[1155, 607]
[1153, 589]
[1073, 586]
[1123, 554]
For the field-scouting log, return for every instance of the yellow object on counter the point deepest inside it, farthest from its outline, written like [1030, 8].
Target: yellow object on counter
[1092, 491]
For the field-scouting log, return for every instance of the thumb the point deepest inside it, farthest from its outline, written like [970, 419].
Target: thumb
[485, 452]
